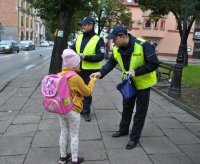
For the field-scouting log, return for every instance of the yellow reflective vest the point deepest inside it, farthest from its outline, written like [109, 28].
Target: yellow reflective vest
[137, 59]
[89, 50]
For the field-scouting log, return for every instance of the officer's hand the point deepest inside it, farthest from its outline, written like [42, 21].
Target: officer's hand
[131, 73]
[95, 75]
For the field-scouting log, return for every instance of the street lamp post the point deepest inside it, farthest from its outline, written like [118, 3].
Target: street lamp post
[175, 86]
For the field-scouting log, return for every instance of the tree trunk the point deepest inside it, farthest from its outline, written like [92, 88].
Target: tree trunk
[184, 42]
[99, 21]
[60, 42]
[185, 57]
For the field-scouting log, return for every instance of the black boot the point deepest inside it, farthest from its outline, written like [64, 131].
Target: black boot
[119, 134]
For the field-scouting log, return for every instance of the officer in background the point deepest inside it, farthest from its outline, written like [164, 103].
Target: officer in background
[91, 49]
[138, 58]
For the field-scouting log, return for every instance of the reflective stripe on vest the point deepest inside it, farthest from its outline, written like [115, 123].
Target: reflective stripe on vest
[89, 50]
[143, 81]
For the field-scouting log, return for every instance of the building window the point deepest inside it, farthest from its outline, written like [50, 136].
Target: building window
[31, 36]
[22, 20]
[22, 35]
[27, 6]
[147, 24]
[162, 25]
[36, 27]
[27, 23]
[155, 25]
[42, 30]
[27, 35]
[31, 23]
[22, 4]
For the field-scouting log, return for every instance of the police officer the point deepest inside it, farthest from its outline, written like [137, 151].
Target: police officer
[138, 58]
[91, 49]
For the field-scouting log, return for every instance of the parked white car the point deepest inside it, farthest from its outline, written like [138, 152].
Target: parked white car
[44, 44]
[51, 43]
[27, 45]
[8, 46]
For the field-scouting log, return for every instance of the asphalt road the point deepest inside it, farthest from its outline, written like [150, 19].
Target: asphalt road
[12, 65]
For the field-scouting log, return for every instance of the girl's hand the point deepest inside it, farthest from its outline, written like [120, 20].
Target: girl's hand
[95, 75]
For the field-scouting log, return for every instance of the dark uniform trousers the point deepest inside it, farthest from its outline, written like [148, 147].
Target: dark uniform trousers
[85, 74]
[142, 102]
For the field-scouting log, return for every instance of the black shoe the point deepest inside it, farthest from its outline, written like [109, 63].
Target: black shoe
[131, 145]
[118, 134]
[63, 160]
[80, 160]
[87, 117]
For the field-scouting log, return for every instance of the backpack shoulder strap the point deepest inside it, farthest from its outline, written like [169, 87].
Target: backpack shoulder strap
[71, 73]
[64, 88]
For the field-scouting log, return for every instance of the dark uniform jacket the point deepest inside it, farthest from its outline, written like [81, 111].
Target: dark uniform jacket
[150, 57]
[100, 49]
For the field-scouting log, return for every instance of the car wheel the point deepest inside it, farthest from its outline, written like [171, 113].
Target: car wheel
[11, 51]
[18, 50]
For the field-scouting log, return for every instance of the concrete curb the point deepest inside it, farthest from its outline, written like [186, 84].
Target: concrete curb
[3, 86]
[177, 103]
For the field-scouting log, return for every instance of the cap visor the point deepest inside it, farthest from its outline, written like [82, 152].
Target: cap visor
[110, 36]
[82, 22]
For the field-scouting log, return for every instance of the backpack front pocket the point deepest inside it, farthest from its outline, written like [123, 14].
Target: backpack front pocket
[51, 105]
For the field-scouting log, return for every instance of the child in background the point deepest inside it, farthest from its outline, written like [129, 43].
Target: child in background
[71, 121]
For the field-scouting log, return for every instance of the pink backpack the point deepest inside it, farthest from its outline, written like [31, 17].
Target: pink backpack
[57, 97]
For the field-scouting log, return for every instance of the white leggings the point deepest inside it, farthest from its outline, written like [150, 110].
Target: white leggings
[71, 122]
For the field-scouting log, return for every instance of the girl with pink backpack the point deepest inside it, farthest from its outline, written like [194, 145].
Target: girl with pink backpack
[71, 120]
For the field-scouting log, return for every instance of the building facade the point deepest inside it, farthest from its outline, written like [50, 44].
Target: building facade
[163, 34]
[26, 21]
[19, 21]
[39, 29]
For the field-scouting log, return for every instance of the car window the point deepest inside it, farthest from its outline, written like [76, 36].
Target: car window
[5, 42]
[24, 42]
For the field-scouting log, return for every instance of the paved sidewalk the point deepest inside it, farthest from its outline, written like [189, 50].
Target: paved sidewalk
[29, 135]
